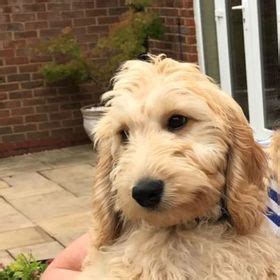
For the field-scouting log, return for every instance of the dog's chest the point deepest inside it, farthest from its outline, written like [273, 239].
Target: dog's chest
[184, 255]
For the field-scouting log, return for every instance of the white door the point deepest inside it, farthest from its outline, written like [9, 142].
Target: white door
[247, 46]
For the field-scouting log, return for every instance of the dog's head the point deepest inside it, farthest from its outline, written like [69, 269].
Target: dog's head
[170, 147]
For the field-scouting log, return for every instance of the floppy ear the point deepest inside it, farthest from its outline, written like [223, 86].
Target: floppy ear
[247, 165]
[106, 220]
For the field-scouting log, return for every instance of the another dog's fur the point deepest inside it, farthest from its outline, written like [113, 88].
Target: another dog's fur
[209, 166]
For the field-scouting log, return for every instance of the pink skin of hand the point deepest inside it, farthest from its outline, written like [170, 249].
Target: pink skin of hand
[67, 265]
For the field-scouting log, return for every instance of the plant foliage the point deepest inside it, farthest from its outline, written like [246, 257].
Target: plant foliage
[25, 267]
[127, 39]
[69, 62]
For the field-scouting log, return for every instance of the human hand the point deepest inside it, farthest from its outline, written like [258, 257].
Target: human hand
[67, 265]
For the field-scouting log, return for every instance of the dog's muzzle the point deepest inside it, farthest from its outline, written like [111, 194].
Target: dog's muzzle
[148, 192]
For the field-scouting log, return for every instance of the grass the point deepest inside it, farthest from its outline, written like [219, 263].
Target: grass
[25, 267]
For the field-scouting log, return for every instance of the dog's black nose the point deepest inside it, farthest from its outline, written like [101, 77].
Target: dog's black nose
[148, 192]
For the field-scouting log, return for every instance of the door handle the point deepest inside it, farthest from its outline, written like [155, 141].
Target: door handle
[239, 7]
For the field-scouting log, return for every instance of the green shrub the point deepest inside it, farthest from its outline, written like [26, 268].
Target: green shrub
[25, 267]
[126, 40]
[69, 62]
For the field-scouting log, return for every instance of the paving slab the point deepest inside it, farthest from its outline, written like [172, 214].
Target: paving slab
[78, 179]
[27, 184]
[44, 251]
[66, 156]
[20, 164]
[22, 237]
[5, 258]
[42, 207]
[11, 219]
[69, 227]
[3, 184]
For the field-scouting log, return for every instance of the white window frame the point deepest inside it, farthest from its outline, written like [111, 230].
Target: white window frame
[253, 57]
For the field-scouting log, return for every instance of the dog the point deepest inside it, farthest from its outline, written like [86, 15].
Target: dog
[180, 187]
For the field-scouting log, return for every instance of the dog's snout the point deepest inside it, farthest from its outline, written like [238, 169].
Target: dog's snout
[148, 192]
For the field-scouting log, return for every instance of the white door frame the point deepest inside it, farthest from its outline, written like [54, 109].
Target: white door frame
[252, 46]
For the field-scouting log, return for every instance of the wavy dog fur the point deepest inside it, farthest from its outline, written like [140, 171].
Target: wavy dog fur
[213, 158]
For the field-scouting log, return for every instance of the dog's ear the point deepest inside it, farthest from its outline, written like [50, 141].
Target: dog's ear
[106, 221]
[247, 164]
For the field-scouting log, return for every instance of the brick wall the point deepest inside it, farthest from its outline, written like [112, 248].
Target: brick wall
[34, 116]
[179, 41]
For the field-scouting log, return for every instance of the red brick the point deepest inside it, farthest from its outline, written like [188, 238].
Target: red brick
[7, 87]
[25, 34]
[20, 94]
[40, 58]
[10, 104]
[54, 15]
[84, 21]
[60, 23]
[87, 38]
[5, 18]
[36, 118]
[34, 7]
[4, 113]
[96, 12]
[47, 108]
[38, 135]
[15, 43]
[5, 130]
[11, 120]
[44, 92]
[58, 6]
[49, 32]
[70, 106]
[83, 5]
[13, 138]
[25, 127]
[36, 25]
[34, 101]
[58, 99]
[22, 17]
[8, 70]
[18, 77]
[117, 11]
[16, 60]
[48, 125]
[22, 111]
[29, 68]
[107, 19]
[3, 79]
[7, 53]
[74, 122]
[37, 76]
[11, 27]
[32, 84]
[98, 29]
[107, 3]
[60, 115]
[62, 132]
[3, 95]
[73, 14]
[6, 35]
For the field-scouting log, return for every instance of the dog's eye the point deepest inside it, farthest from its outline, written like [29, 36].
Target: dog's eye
[124, 136]
[176, 122]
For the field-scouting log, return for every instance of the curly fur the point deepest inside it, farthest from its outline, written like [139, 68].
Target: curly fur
[213, 158]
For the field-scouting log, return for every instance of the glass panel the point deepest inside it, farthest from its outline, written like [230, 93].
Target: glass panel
[271, 69]
[210, 39]
[237, 53]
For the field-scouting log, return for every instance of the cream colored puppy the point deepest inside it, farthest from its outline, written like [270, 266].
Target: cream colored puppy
[179, 189]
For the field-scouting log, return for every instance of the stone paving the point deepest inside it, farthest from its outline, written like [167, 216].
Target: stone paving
[44, 201]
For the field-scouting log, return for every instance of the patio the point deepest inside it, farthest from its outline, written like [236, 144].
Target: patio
[44, 201]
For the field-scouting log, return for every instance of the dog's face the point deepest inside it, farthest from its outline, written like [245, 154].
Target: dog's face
[168, 137]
